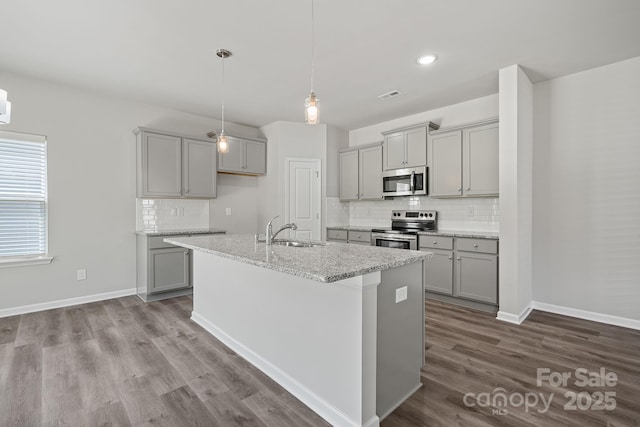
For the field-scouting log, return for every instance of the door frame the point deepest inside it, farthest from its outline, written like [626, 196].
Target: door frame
[318, 163]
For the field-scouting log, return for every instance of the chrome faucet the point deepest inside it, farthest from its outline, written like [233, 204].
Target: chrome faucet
[269, 235]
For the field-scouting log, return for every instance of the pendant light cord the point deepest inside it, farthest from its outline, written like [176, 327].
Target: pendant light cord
[313, 39]
[223, 94]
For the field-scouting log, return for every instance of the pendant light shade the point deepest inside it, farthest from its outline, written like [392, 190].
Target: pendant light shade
[311, 111]
[223, 145]
[5, 108]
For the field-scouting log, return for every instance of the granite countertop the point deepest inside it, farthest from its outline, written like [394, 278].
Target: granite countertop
[351, 227]
[462, 233]
[182, 232]
[327, 263]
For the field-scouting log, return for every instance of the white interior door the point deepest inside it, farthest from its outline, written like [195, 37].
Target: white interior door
[303, 197]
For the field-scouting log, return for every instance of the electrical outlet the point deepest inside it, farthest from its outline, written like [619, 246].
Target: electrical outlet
[401, 294]
[227, 211]
[470, 211]
[82, 274]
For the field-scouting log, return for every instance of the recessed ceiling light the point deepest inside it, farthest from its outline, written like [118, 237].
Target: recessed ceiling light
[427, 59]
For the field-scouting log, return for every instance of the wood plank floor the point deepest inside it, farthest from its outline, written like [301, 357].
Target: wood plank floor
[471, 352]
[125, 363]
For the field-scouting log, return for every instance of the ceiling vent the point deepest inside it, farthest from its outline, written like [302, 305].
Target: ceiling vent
[389, 95]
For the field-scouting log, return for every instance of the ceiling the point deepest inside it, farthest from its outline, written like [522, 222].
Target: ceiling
[163, 51]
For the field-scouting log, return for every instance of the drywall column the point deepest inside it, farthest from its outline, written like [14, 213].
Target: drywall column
[516, 193]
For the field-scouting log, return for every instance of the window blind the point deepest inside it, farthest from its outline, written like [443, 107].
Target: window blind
[23, 195]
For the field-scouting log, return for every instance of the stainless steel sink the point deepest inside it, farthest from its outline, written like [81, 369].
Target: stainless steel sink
[296, 244]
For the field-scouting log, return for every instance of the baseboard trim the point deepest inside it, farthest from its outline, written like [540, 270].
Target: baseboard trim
[516, 319]
[31, 308]
[588, 315]
[327, 411]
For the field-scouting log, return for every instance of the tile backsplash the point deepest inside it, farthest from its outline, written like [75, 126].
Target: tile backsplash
[472, 214]
[171, 214]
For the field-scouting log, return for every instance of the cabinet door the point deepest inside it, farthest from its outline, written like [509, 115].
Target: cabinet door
[438, 272]
[255, 157]
[477, 277]
[416, 147]
[371, 173]
[233, 161]
[480, 160]
[168, 269]
[198, 168]
[393, 151]
[445, 164]
[161, 165]
[349, 175]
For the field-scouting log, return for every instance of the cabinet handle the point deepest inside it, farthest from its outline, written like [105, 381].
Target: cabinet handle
[361, 194]
[435, 243]
[475, 245]
[460, 189]
[450, 257]
[458, 258]
[467, 189]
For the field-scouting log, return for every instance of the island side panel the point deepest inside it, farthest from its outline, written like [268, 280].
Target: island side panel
[318, 340]
[400, 336]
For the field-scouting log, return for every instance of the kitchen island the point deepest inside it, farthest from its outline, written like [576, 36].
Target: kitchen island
[339, 326]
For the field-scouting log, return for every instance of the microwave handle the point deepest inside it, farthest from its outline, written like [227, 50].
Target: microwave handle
[412, 185]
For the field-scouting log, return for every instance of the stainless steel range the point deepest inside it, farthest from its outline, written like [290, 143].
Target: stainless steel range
[405, 226]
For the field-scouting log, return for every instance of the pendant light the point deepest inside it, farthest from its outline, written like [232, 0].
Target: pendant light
[311, 112]
[223, 145]
[5, 108]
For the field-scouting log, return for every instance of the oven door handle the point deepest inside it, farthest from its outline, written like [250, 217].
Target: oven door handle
[412, 185]
[395, 238]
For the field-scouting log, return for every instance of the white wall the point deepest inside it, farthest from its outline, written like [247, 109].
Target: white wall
[516, 181]
[288, 140]
[91, 168]
[586, 196]
[465, 112]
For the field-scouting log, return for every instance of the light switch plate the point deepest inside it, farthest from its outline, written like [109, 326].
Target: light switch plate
[82, 274]
[401, 294]
[228, 211]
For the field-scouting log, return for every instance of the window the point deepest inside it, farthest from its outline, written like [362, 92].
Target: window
[23, 199]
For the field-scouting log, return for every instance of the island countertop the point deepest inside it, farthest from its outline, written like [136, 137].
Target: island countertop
[327, 263]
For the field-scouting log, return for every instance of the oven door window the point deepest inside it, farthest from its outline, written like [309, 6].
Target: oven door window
[393, 243]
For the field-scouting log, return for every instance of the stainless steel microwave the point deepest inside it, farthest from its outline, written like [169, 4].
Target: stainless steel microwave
[405, 182]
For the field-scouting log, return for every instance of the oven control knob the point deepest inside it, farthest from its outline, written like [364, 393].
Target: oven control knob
[430, 215]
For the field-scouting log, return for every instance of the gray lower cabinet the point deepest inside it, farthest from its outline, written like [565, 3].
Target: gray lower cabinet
[460, 267]
[348, 236]
[440, 272]
[246, 156]
[163, 269]
[168, 269]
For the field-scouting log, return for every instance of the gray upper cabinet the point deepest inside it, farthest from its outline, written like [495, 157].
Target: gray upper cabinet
[159, 167]
[445, 164]
[406, 147]
[361, 173]
[349, 188]
[463, 162]
[246, 156]
[370, 168]
[172, 165]
[480, 160]
[198, 175]
[394, 156]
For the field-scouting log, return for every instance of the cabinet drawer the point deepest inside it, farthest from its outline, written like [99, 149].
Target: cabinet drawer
[359, 237]
[487, 246]
[336, 234]
[157, 242]
[436, 242]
